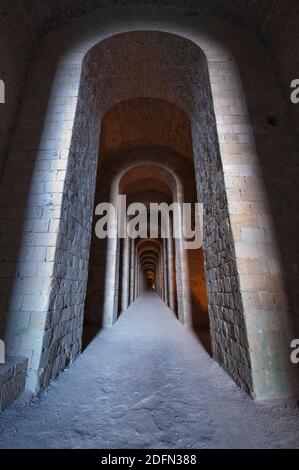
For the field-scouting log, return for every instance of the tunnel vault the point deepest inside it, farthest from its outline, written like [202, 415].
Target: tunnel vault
[148, 97]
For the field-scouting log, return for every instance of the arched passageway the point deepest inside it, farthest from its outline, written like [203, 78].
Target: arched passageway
[148, 174]
[162, 114]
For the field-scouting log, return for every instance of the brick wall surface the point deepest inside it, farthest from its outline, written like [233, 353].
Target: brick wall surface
[13, 376]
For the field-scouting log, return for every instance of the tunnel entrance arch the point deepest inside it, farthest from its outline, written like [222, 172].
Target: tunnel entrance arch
[233, 351]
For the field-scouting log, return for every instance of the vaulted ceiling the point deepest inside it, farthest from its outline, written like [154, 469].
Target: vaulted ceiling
[276, 21]
[24, 22]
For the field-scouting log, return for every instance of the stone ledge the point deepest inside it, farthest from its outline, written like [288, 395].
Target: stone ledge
[12, 380]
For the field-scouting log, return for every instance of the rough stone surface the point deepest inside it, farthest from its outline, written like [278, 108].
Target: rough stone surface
[12, 380]
[146, 383]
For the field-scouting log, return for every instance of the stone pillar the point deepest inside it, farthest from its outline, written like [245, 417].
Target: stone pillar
[170, 271]
[182, 283]
[135, 274]
[132, 266]
[157, 278]
[161, 273]
[165, 271]
[110, 280]
[125, 274]
[138, 276]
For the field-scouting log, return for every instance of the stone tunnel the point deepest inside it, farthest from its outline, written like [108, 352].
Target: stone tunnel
[159, 104]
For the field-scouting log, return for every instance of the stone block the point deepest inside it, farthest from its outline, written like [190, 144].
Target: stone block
[12, 380]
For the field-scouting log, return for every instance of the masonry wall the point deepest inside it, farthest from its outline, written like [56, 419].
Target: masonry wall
[31, 213]
[253, 155]
[228, 330]
[64, 326]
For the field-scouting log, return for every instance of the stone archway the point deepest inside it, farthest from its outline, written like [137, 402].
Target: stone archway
[251, 367]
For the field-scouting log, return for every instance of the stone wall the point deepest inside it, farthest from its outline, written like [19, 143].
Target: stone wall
[258, 156]
[64, 326]
[13, 376]
[228, 329]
